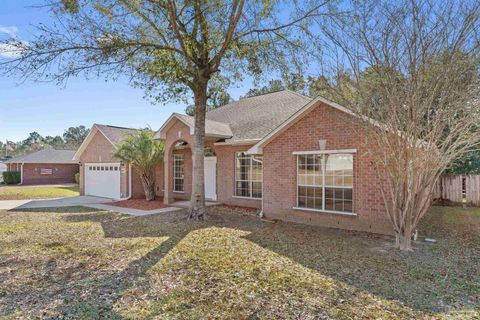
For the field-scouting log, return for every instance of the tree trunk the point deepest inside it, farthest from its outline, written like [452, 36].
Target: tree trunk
[405, 241]
[148, 182]
[197, 201]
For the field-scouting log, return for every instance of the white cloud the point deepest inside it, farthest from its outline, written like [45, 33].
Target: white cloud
[11, 31]
[8, 50]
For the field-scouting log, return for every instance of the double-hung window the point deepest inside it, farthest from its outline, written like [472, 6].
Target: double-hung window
[248, 175]
[178, 173]
[325, 182]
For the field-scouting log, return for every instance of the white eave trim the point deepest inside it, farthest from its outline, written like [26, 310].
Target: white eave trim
[325, 151]
[237, 142]
[161, 135]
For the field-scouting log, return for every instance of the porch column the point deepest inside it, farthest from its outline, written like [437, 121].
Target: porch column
[167, 192]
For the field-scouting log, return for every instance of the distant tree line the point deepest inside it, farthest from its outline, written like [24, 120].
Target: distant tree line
[70, 140]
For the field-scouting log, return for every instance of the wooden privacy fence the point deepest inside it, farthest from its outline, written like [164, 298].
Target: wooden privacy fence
[456, 187]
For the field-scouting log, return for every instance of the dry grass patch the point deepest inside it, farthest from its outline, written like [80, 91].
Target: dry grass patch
[81, 263]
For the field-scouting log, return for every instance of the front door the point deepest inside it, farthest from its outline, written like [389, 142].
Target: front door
[210, 167]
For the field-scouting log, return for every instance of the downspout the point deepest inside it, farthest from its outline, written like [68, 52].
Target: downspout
[21, 173]
[260, 214]
[129, 182]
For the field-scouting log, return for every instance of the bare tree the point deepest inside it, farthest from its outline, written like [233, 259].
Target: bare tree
[414, 67]
[170, 48]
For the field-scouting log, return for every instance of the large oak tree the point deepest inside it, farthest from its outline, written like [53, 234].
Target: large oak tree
[174, 49]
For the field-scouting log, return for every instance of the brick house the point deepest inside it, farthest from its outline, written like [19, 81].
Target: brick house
[47, 166]
[295, 158]
[292, 157]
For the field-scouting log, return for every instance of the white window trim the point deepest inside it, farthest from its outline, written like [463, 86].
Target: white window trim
[183, 178]
[343, 213]
[250, 181]
[296, 207]
[350, 151]
[248, 198]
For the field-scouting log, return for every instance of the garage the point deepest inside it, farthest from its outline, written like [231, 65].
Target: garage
[102, 180]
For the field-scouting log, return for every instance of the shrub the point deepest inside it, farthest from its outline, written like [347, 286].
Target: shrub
[11, 177]
[77, 178]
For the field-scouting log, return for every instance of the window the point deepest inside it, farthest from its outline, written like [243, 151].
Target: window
[178, 172]
[325, 182]
[248, 175]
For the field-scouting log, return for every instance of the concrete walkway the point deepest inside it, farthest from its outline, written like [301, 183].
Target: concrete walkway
[131, 211]
[51, 203]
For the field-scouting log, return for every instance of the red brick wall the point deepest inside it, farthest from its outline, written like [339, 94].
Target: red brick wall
[61, 173]
[13, 167]
[137, 188]
[341, 131]
[226, 177]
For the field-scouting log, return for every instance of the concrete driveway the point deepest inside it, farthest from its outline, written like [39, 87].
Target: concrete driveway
[50, 203]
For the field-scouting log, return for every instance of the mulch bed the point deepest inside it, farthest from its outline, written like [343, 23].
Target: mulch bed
[141, 204]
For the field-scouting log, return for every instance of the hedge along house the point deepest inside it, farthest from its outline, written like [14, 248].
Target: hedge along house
[295, 158]
[103, 175]
[47, 166]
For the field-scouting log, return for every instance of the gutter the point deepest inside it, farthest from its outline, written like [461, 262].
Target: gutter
[129, 182]
[21, 173]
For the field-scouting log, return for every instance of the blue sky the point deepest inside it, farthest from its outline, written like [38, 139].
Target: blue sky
[49, 109]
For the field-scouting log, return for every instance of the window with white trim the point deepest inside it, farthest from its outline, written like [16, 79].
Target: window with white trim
[178, 173]
[325, 182]
[248, 175]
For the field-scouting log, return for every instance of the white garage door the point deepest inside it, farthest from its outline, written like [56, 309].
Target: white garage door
[102, 180]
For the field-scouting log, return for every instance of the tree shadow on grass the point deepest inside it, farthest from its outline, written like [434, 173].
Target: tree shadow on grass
[432, 279]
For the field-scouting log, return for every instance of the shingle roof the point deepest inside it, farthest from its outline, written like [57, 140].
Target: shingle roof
[48, 155]
[113, 133]
[255, 117]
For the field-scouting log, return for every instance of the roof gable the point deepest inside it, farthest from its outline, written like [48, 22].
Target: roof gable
[212, 128]
[257, 148]
[113, 134]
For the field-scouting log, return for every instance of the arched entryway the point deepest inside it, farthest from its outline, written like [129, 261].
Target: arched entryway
[178, 171]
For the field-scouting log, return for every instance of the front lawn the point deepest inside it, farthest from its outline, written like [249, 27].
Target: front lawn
[79, 263]
[36, 192]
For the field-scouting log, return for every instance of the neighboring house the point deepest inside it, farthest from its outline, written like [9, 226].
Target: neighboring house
[101, 174]
[295, 158]
[47, 166]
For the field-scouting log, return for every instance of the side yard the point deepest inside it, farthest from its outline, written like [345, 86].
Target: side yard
[79, 263]
[37, 192]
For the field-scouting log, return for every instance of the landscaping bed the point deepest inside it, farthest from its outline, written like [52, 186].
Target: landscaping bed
[79, 263]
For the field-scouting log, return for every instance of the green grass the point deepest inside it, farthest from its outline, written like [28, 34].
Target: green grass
[26, 192]
[80, 263]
